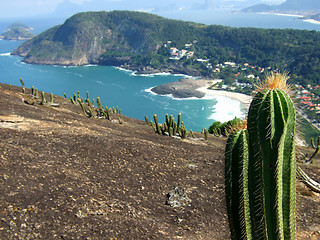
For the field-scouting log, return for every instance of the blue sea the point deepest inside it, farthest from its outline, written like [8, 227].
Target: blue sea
[131, 92]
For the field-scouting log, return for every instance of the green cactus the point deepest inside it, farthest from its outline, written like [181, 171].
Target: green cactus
[170, 131]
[179, 122]
[107, 113]
[158, 130]
[10, 87]
[271, 173]
[191, 134]
[167, 120]
[236, 184]
[206, 134]
[174, 128]
[99, 103]
[146, 120]
[32, 90]
[51, 98]
[23, 87]
[87, 113]
[72, 100]
[120, 120]
[43, 99]
[184, 133]
[153, 127]
[65, 95]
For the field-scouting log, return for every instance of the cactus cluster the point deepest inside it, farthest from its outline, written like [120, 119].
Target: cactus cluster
[223, 129]
[169, 127]
[260, 167]
[89, 109]
[172, 128]
[31, 98]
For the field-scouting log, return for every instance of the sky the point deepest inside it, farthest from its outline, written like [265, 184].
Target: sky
[33, 8]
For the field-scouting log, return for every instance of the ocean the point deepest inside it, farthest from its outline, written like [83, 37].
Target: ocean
[131, 92]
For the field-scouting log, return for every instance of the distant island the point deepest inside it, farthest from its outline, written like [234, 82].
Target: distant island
[17, 31]
[148, 43]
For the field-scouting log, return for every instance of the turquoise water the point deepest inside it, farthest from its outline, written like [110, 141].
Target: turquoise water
[130, 92]
[116, 87]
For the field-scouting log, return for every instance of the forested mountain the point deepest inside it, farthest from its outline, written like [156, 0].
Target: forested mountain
[141, 39]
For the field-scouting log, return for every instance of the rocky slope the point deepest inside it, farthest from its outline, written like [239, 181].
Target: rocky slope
[65, 176]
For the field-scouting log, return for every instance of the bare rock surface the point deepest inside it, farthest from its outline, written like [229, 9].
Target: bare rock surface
[65, 176]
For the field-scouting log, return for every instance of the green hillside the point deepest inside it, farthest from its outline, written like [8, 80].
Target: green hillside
[144, 40]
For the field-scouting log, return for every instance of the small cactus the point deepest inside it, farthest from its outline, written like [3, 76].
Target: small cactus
[179, 122]
[158, 130]
[146, 120]
[72, 100]
[191, 133]
[99, 103]
[87, 113]
[23, 87]
[206, 134]
[43, 99]
[51, 98]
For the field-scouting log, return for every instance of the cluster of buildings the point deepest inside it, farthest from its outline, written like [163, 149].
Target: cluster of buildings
[307, 99]
[176, 54]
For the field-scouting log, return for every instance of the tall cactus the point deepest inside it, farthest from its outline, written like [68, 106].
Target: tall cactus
[271, 172]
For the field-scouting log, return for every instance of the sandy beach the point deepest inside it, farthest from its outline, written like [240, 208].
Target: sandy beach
[311, 21]
[245, 99]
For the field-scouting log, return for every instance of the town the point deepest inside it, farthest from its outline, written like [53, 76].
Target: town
[242, 78]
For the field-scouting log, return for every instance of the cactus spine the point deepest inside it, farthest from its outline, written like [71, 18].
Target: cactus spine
[271, 170]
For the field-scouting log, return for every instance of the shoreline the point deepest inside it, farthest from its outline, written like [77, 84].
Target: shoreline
[198, 88]
[298, 16]
[310, 20]
[244, 99]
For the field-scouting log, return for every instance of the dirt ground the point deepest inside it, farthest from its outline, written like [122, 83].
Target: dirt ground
[66, 176]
